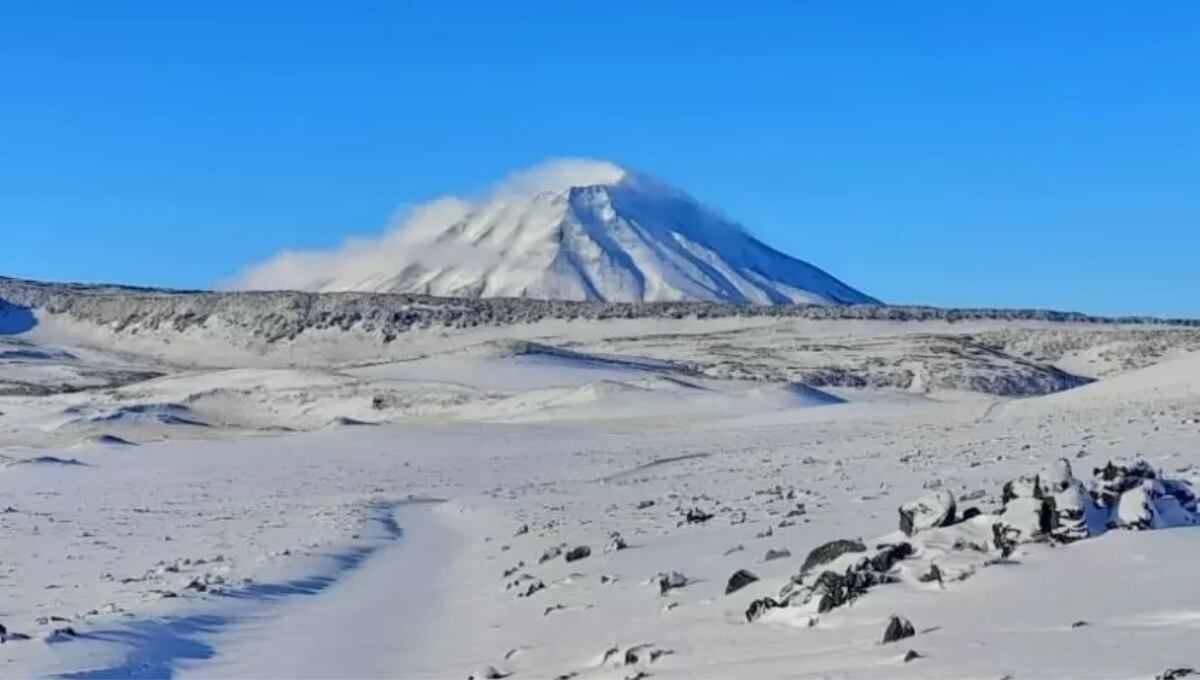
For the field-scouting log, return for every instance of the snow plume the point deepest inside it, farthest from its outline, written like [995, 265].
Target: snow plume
[360, 256]
[413, 237]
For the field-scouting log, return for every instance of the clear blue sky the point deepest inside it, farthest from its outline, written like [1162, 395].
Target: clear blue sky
[953, 153]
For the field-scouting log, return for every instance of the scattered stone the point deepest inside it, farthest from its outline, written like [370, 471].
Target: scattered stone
[1080, 624]
[578, 553]
[765, 533]
[737, 548]
[671, 581]
[934, 574]
[740, 579]
[485, 673]
[898, 628]
[615, 543]
[911, 655]
[797, 511]
[929, 512]
[697, 516]
[773, 554]
[533, 588]
[550, 553]
[1175, 673]
[522, 530]
[642, 505]
[60, 635]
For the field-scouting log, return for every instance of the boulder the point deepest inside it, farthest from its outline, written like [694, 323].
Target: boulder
[928, 512]
[1112, 480]
[1021, 487]
[832, 589]
[1135, 509]
[1068, 500]
[1023, 520]
[776, 554]
[578, 553]
[759, 607]
[898, 628]
[671, 581]
[829, 552]
[740, 579]
[550, 553]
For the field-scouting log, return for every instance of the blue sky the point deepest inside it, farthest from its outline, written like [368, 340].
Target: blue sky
[955, 153]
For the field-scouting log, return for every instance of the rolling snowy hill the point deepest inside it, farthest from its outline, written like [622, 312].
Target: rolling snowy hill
[569, 230]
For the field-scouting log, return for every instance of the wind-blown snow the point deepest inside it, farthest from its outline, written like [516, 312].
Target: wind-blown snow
[570, 230]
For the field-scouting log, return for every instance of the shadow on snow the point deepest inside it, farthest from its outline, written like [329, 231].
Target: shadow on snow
[157, 645]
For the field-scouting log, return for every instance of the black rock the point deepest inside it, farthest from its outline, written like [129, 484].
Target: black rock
[697, 516]
[934, 574]
[970, 513]
[533, 588]
[740, 579]
[898, 628]
[888, 556]
[578, 553]
[911, 655]
[833, 590]
[759, 607]
[829, 552]
[1175, 673]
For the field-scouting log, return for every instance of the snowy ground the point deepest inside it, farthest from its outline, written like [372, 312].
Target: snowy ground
[256, 523]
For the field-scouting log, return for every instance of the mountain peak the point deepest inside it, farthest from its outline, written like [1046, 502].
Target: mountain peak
[574, 229]
[561, 174]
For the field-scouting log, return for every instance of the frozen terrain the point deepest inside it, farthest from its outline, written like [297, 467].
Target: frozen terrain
[293, 485]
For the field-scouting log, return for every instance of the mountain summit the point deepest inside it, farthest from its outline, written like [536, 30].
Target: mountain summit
[571, 230]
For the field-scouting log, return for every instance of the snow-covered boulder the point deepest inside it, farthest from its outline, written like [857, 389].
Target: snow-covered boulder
[1135, 509]
[928, 512]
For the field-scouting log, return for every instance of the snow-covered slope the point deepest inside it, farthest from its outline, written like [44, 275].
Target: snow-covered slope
[569, 230]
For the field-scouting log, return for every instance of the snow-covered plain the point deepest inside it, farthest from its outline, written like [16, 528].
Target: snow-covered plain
[191, 503]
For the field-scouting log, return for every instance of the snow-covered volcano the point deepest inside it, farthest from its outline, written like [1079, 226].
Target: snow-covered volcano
[571, 230]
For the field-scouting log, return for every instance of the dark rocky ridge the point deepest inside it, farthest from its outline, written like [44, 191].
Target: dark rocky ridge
[276, 315]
